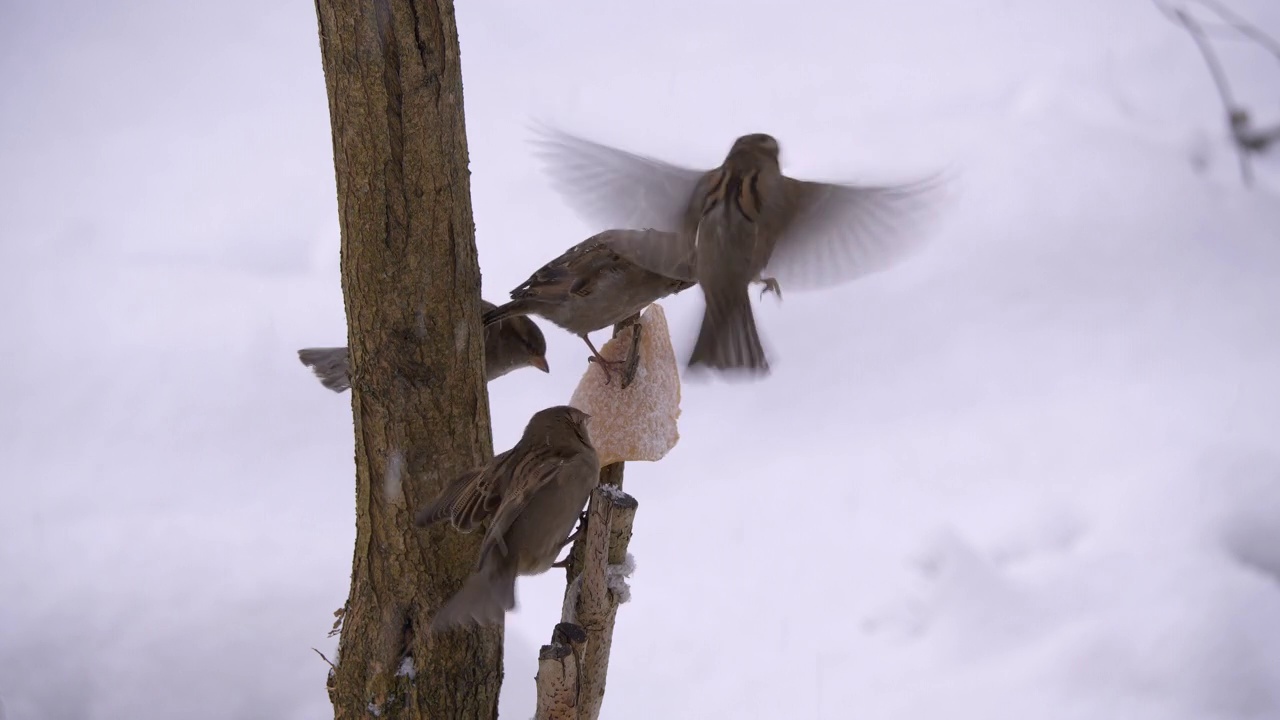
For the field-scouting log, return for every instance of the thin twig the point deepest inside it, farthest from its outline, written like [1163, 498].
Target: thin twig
[1259, 140]
[1220, 81]
[322, 657]
[1236, 22]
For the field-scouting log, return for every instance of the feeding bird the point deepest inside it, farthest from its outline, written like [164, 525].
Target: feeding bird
[530, 496]
[596, 284]
[508, 346]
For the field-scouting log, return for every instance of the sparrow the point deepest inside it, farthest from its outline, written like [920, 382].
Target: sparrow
[736, 224]
[530, 496]
[508, 346]
[597, 283]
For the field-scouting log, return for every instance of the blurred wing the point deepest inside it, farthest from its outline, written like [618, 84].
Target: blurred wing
[331, 365]
[614, 188]
[840, 232]
[462, 502]
[657, 251]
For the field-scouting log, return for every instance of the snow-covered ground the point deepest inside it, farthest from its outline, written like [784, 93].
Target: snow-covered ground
[1032, 473]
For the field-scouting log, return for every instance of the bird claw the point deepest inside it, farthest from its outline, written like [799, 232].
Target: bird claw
[604, 365]
[770, 286]
[633, 320]
[632, 363]
[577, 532]
[572, 536]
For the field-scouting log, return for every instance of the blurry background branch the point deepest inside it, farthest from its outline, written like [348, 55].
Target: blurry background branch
[1246, 138]
[1237, 26]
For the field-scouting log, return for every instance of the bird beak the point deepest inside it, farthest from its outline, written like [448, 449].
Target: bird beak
[540, 363]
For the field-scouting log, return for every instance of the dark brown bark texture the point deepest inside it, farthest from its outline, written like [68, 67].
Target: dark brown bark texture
[411, 284]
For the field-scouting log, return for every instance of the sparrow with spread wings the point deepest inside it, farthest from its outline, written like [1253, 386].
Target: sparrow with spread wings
[736, 224]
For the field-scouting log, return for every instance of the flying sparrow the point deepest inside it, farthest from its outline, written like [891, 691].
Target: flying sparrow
[508, 346]
[739, 223]
[530, 496]
[598, 283]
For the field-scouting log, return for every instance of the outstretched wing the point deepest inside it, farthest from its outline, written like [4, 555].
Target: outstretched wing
[839, 232]
[613, 188]
[331, 365]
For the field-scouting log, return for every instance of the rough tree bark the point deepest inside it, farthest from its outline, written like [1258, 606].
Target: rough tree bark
[411, 284]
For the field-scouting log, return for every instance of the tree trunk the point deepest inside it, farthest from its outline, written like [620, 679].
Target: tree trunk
[411, 284]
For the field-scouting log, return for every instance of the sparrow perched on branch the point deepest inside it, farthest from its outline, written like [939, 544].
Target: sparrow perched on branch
[598, 283]
[739, 223]
[508, 346]
[530, 496]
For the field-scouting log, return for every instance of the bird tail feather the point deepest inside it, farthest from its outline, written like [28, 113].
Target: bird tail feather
[331, 365]
[728, 339]
[484, 598]
[512, 309]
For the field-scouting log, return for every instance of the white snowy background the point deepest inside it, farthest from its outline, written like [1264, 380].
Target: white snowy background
[1032, 473]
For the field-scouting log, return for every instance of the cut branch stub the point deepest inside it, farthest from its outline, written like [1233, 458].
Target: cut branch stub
[567, 633]
[622, 515]
[557, 683]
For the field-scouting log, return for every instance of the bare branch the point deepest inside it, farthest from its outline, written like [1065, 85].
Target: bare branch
[322, 657]
[1234, 113]
[593, 599]
[572, 635]
[598, 564]
[1236, 22]
[1258, 140]
[589, 600]
[1210, 59]
[557, 683]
